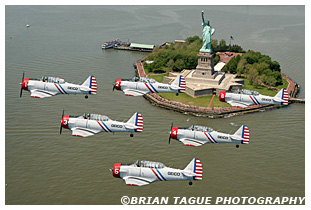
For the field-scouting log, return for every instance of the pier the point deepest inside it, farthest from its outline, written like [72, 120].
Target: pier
[118, 45]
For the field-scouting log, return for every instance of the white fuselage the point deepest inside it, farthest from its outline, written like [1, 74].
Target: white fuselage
[65, 88]
[153, 174]
[206, 137]
[149, 87]
[251, 99]
[101, 126]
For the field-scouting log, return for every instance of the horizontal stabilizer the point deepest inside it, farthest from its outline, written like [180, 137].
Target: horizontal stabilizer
[137, 122]
[283, 96]
[243, 133]
[90, 85]
[180, 83]
[195, 166]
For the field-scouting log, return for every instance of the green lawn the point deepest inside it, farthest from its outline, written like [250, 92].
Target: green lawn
[158, 78]
[198, 101]
[262, 89]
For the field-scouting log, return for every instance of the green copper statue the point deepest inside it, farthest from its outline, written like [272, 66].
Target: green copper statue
[208, 31]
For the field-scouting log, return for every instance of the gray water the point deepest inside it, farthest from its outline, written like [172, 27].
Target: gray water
[43, 167]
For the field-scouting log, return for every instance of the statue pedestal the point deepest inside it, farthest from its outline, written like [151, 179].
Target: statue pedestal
[205, 67]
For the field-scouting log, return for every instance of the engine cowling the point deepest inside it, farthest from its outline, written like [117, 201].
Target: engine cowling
[25, 84]
[117, 84]
[174, 132]
[222, 96]
[116, 170]
[65, 121]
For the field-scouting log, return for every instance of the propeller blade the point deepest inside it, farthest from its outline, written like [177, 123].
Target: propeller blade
[113, 86]
[169, 138]
[21, 91]
[61, 127]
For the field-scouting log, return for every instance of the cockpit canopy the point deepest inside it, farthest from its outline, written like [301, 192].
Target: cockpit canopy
[97, 117]
[200, 128]
[248, 92]
[149, 164]
[53, 80]
[141, 79]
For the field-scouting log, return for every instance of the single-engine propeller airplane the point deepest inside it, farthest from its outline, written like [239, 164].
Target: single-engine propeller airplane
[90, 124]
[197, 135]
[50, 86]
[145, 172]
[143, 85]
[244, 100]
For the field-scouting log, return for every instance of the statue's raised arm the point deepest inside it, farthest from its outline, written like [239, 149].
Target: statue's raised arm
[202, 14]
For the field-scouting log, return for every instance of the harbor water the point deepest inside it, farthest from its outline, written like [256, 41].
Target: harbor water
[44, 167]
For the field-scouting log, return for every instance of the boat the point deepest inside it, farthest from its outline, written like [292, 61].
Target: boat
[111, 44]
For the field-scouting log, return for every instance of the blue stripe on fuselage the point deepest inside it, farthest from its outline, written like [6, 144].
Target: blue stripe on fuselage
[212, 137]
[62, 88]
[155, 90]
[106, 126]
[160, 174]
[256, 100]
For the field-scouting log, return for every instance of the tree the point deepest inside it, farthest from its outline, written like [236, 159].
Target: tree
[252, 74]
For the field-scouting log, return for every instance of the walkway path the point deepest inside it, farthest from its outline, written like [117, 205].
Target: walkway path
[210, 103]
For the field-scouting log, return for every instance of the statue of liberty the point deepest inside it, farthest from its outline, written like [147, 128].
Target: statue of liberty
[208, 31]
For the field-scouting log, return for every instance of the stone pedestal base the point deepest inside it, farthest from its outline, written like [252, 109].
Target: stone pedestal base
[205, 67]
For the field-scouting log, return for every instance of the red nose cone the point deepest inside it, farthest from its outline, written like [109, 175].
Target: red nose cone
[116, 170]
[174, 132]
[65, 121]
[25, 84]
[117, 84]
[222, 96]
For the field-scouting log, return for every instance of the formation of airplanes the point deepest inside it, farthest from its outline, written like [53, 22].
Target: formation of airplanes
[91, 124]
[244, 100]
[143, 85]
[51, 86]
[145, 172]
[197, 135]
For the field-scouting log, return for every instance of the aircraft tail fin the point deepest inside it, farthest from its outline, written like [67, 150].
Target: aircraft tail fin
[243, 132]
[138, 121]
[91, 83]
[181, 83]
[283, 94]
[195, 167]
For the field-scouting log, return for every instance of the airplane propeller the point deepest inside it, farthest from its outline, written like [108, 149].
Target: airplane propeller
[21, 92]
[61, 127]
[113, 86]
[169, 138]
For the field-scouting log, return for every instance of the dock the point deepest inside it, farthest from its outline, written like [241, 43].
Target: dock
[119, 45]
[135, 47]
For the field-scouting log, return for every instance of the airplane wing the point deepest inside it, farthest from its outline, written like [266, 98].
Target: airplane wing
[192, 142]
[238, 103]
[129, 92]
[136, 181]
[83, 132]
[41, 93]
